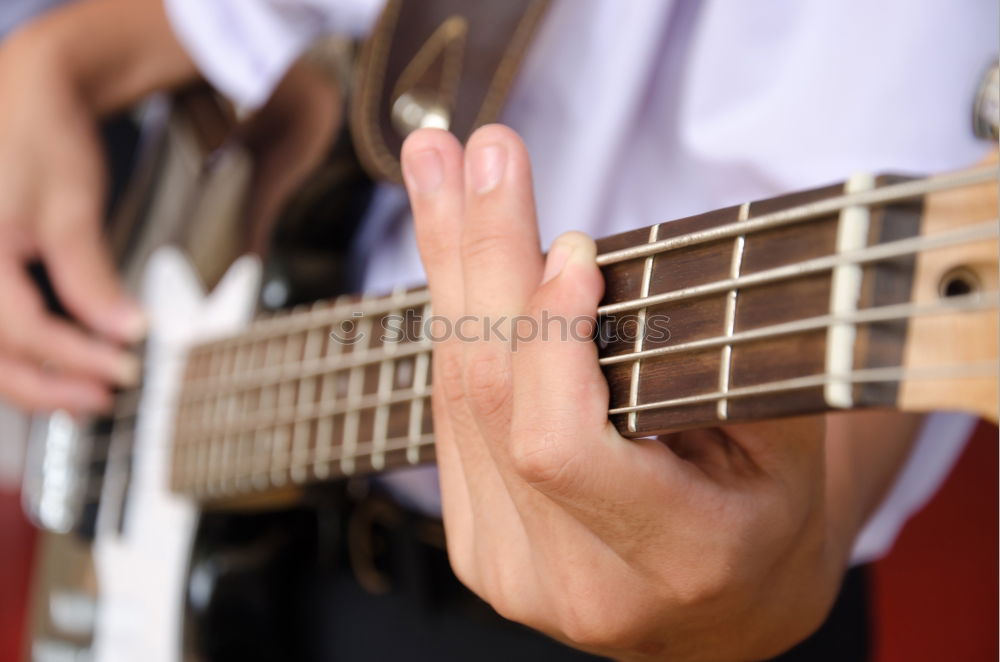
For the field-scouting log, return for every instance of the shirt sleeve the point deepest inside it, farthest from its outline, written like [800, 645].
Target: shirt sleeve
[942, 439]
[244, 47]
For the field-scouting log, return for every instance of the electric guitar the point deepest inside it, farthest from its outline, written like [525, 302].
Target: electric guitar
[878, 292]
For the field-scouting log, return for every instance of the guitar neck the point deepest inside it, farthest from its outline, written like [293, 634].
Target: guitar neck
[805, 303]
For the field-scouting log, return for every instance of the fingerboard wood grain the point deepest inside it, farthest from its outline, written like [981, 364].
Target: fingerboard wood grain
[741, 328]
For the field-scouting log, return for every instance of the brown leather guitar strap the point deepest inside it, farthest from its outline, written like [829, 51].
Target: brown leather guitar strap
[438, 63]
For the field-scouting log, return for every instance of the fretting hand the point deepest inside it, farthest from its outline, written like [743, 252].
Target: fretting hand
[721, 544]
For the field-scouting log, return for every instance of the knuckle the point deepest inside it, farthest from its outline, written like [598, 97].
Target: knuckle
[24, 399]
[542, 458]
[487, 382]
[594, 624]
[437, 245]
[711, 578]
[483, 245]
[462, 563]
[503, 589]
[18, 336]
[448, 373]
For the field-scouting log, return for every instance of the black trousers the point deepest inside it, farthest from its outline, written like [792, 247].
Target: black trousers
[428, 615]
[292, 592]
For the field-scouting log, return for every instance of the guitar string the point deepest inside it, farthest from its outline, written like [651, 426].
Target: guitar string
[976, 302]
[827, 206]
[796, 383]
[889, 374]
[967, 303]
[268, 375]
[877, 253]
[882, 374]
[343, 307]
[297, 412]
[890, 193]
[960, 304]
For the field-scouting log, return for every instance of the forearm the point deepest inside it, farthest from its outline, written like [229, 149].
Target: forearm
[112, 52]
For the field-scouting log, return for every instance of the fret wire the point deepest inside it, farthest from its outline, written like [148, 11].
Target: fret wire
[201, 443]
[266, 446]
[381, 417]
[828, 206]
[355, 386]
[344, 309]
[976, 302]
[276, 351]
[306, 396]
[344, 306]
[270, 399]
[288, 392]
[391, 445]
[384, 389]
[255, 353]
[216, 450]
[192, 449]
[359, 404]
[415, 422]
[328, 391]
[316, 368]
[236, 442]
[845, 293]
[966, 303]
[726, 355]
[281, 470]
[205, 447]
[640, 331]
[911, 246]
[243, 448]
[885, 374]
[365, 450]
[879, 196]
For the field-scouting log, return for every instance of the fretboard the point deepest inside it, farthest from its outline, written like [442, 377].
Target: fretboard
[793, 305]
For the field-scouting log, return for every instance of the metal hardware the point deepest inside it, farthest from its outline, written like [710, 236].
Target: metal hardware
[986, 111]
[55, 477]
[419, 109]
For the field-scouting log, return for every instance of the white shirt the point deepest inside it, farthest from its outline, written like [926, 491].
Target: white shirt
[15, 12]
[638, 111]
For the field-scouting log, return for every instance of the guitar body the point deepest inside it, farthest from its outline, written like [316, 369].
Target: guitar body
[142, 569]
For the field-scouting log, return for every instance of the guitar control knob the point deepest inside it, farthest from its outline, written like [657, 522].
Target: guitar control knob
[986, 112]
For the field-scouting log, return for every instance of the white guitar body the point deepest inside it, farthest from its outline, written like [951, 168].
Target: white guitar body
[142, 571]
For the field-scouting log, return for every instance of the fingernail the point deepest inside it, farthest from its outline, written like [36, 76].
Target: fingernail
[555, 261]
[127, 370]
[130, 322]
[424, 171]
[487, 165]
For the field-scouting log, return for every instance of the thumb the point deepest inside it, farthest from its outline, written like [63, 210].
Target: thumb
[81, 270]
